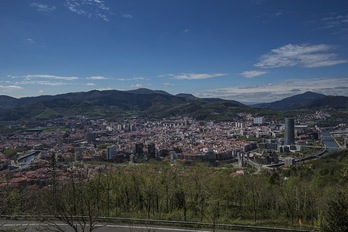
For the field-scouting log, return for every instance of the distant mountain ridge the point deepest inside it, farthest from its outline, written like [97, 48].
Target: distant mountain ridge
[306, 100]
[113, 103]
[148, 103]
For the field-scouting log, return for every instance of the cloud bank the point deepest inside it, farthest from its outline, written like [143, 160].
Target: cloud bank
[194, 76]
[252, 74]
[274, 92]
[41, 79]
[132, 79]
[9, 88]
[305, 55]
[44, 76]
[96, 78]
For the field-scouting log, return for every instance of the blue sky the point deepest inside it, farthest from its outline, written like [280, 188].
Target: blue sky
[245, 50]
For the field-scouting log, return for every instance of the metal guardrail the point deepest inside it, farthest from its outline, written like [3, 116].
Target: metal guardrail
[161, 222]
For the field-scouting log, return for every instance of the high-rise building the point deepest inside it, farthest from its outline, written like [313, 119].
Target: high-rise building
[289, 131]
[111, 152]
[139, 149]
[258, 121]
[151, 150]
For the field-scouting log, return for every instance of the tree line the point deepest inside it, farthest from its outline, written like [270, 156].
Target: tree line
[313, 195]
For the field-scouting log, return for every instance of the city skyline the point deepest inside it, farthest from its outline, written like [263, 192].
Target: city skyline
[249, 51]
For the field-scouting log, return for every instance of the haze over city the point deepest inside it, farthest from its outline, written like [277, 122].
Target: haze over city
[250, 51]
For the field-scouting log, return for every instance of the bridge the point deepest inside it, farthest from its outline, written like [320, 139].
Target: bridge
[319, 147]
[338, 132]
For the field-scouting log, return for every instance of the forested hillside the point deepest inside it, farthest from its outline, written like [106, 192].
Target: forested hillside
[313, 195]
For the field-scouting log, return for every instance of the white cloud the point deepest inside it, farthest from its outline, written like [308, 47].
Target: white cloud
[49, 83]
[336, 21]
[127, 16]
[304, 55]
[103, 16]
[279, 13]
[194, 76]
[96, 78]
[132, 79]
[139, 78]
[44, 76]
[31, 41]
[274, 92]
[89, 8]
[137, 86]
[42, 79]
[103, 89]
[44, 8]
[251, 74]
[167, 85]
[40, 83]
[10, 88]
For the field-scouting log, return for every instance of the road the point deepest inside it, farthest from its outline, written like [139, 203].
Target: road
[33, 226]
[30, 226]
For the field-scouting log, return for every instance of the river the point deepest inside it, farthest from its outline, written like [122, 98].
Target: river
[331, 145]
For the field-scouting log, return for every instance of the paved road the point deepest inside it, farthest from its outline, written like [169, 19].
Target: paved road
[29, 226]
[32, 226]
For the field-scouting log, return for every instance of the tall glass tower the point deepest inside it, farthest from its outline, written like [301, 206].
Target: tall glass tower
[289, 131]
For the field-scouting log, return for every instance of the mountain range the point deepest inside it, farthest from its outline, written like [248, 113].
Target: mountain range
[307, 100]
[113, 103]
[147, 103]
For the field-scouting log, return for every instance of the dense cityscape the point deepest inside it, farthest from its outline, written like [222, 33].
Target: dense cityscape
[178, 159]
[27, 150]
[248, 165]
[173, 115]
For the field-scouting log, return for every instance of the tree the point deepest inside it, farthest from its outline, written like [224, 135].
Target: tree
[75, 201]
[214, 211]
[336, 217]
[254, 189]
[9, 201]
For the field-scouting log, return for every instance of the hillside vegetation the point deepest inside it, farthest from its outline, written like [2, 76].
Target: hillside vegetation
[308, 196]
